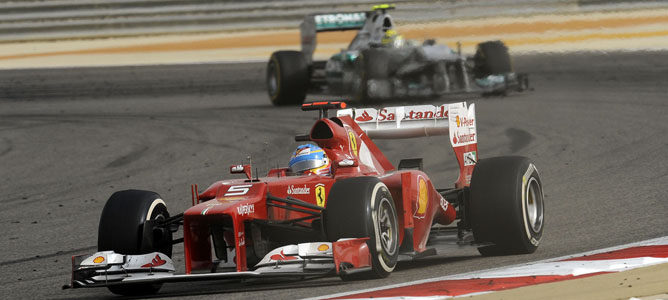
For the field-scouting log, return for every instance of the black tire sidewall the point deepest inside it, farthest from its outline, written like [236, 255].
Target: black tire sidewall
[291, 72]
[122, 221]
[497, 209]
[121, 230]
[351, 212]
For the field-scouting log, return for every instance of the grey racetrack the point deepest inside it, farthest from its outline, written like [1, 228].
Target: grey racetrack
[596, 126]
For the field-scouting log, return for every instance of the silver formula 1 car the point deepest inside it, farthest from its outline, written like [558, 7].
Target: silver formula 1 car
[379, 64]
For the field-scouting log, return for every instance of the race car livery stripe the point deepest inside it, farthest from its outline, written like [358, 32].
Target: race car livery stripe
[604, 261]
[660, 251]
[463, 286]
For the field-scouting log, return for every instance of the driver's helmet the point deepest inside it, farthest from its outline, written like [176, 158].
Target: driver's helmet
[392, 39]
[310, 159]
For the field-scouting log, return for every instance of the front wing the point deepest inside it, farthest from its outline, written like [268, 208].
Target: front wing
[107, 268]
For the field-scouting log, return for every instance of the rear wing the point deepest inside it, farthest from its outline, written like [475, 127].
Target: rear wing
[455, 120]
[313, 24]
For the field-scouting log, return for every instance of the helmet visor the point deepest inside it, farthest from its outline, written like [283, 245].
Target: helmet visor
[308, 164]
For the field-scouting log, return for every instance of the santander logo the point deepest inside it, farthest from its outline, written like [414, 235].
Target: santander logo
[419, 112]
[157, 261]
[282, 256]
[297, 190]
[463, 138]
[364, 117]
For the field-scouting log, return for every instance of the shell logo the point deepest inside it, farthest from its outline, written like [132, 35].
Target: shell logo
[98, 259]
[323, 247]
[423, 194]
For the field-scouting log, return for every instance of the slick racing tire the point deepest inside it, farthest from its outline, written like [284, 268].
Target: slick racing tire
[122, 230]
[506, 205]
[363, 207]
[287, 78]
[491, 58]
[372, 64]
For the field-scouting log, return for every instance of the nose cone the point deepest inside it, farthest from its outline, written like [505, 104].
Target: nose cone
[242, 199]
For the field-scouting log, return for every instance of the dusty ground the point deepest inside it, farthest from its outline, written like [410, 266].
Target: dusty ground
[623, 30]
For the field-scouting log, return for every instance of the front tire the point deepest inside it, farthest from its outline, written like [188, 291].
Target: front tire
[122, 230]
[506, 206]
[287, 78]
[363, 207]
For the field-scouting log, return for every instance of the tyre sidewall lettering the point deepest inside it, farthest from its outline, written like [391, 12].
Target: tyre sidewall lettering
[382, 256]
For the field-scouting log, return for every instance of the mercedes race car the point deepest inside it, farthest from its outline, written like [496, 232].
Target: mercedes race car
[355, 220]
[379, 64]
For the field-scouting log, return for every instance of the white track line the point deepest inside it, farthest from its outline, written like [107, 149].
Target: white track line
[582, 267]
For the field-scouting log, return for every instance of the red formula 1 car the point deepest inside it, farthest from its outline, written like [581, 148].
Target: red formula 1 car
[357, 221]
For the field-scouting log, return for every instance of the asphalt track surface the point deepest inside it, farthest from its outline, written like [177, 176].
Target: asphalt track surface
[595, 125]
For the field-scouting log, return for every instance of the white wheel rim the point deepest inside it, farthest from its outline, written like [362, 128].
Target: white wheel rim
[387, 226]
[534, 205]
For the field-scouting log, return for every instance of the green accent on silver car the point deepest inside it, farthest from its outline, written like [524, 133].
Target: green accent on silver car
[339, 21]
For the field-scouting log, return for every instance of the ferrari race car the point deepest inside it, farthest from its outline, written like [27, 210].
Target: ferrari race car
[379, 64]
[356, 221]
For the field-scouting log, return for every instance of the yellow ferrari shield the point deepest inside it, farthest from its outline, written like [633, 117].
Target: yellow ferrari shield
[320, 196]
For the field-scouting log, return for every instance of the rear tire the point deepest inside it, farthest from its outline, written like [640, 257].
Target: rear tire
[491, 58]
[363, 207]
[122, 230]
[287, 78]
[506, 206]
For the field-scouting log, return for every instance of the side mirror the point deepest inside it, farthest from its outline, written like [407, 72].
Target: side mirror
[241, 169]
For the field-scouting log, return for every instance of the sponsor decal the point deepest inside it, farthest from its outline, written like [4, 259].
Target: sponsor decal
[295, 190]
[281, 256]
[470, 158]
[423, 194]
[444, 204]
[323, 247]
[320, 197]
[464, 121]
[411, 113]
[98, 259]
[303, 151]
[353, 142]
[238, 190]
[245, 209]
[365, 116]
[339, 20]
[157, 261]
[427, 113]
[463, 138]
